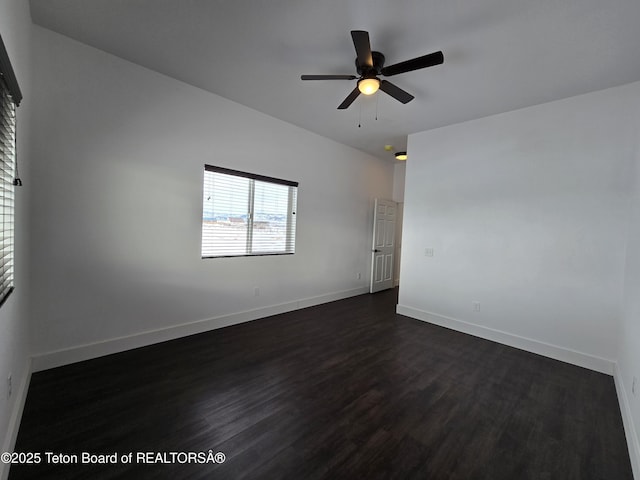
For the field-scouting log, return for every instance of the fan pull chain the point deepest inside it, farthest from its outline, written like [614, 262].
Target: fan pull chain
[360, 117]
[377, 100]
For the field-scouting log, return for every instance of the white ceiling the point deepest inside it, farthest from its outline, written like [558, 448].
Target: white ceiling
[500, 55]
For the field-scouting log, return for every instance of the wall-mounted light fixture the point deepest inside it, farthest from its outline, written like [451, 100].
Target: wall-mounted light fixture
[401, 155]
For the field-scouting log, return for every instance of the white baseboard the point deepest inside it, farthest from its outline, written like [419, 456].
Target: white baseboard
[79, 353]
[556, 352]
[627, 420]
[14, 419]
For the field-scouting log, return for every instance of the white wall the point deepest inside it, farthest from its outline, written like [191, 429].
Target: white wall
[629, 340]
[15, 28]
[399, 172]
[526, 212]
[120, 153]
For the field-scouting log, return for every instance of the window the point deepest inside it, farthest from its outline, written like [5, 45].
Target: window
[10, 97]
[247, 214]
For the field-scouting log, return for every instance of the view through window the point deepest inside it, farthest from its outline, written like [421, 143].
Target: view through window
[247, 214]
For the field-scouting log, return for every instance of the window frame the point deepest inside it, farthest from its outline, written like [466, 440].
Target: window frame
[290, 245]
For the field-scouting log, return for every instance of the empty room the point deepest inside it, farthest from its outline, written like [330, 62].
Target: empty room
[320, 239]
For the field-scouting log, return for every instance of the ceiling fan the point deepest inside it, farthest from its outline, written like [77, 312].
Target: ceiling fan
[370, 64]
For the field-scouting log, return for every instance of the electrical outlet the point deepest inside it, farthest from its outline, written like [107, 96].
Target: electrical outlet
[256, 292]
[359, 276]
[428, 252]
[634, 386]
[476, 306]
[9, 386]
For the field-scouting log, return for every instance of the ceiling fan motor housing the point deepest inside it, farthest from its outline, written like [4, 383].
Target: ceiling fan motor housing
[370, 72]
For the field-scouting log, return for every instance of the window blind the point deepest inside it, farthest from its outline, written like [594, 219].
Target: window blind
[7, 174]
[247, 214]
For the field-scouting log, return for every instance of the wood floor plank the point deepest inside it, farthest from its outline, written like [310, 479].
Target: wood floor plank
[343, 390]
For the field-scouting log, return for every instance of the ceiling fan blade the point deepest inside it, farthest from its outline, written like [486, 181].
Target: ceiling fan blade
[435, 58]
[363, 47]
[328, 77]
[395, 92]
[350, 98]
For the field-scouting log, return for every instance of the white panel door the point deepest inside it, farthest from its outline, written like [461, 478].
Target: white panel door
[383, 251]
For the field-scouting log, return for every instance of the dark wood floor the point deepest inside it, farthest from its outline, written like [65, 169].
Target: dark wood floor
[346, 390]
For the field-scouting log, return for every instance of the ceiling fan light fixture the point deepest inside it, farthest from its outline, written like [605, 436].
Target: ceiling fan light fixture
[368, 86]
[401, 155]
